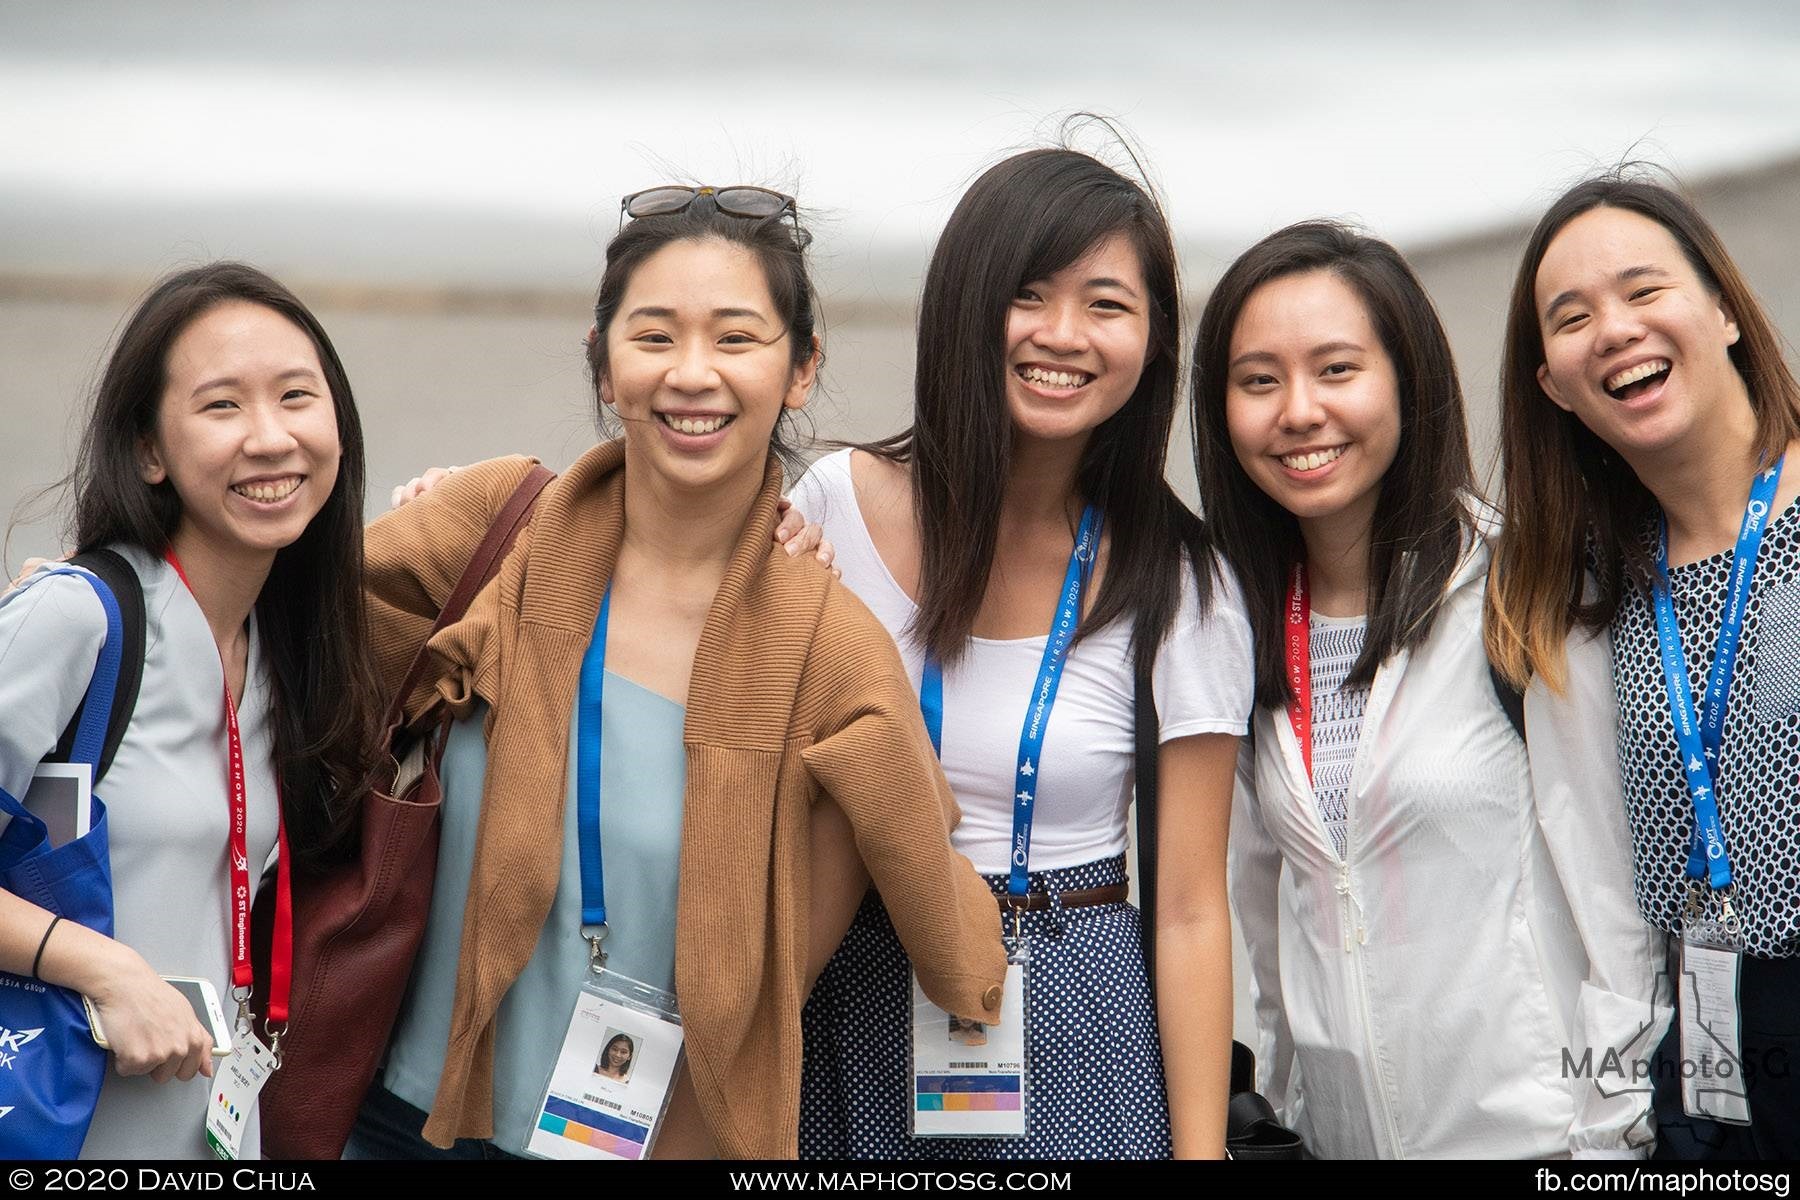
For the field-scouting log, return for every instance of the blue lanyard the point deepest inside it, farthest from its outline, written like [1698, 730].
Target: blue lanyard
[1043, 695]
[1699, 740]
[587, 777]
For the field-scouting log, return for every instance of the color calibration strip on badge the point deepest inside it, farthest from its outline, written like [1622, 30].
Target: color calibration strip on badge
[602, 1131]
[967, 1093]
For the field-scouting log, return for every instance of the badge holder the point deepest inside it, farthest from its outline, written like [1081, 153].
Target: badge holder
[969, 1078]
[1712, 1065]
[239, 1079]
[610, 1088]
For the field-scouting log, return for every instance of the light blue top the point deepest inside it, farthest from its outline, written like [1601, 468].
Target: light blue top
[643, 778]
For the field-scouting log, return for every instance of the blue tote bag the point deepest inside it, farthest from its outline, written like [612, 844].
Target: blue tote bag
[50, 1068]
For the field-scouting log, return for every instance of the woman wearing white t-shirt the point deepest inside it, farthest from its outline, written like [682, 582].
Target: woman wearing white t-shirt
[1046, 387]
[1440, 923]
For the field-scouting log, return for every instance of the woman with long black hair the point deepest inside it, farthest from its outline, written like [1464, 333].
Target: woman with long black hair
[1435, 897]
[1021, 544]
[223, 462]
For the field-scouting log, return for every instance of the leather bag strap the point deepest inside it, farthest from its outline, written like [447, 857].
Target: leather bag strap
[482, 568]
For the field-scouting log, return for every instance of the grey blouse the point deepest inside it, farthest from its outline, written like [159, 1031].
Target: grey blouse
[166, 800]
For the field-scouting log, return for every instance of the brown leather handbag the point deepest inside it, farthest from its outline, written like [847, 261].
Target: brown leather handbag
[358, 926]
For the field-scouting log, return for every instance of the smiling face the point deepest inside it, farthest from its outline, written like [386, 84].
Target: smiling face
[246, 432]
[618, 1054]
[1312, 399]
[1076, 343]
[699, 365]
[1636, 345]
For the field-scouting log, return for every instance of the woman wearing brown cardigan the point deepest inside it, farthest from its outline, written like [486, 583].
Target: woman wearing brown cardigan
[799, 732]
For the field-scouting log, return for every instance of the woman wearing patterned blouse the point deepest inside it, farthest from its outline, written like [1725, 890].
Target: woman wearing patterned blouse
[1646, 413]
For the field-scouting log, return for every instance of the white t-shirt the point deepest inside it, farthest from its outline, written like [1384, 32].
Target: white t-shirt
[1202, 684]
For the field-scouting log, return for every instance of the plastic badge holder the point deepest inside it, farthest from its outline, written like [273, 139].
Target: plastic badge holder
[1712, 1075]
[970, 1079]
[594, 1106]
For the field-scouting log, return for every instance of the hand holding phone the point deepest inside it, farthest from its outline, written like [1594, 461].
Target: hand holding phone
[165, 1028]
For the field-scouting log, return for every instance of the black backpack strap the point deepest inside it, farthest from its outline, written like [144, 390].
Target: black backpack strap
[128, 590]
[1512, 700]
[1147, 738]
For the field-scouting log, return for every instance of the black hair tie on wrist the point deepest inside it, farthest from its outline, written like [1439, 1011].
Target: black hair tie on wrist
[39, 960]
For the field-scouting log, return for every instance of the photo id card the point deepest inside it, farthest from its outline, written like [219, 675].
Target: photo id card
[1712, 1075]
[236, 1082]
[613, 1078]
[969, 1077]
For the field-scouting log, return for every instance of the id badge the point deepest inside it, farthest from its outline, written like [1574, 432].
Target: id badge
[610, 1088]
[1712, 1075]
[968, 1077]
[236, 1082]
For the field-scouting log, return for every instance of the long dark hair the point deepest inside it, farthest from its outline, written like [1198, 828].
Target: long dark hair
[310, 613]
[1570, 494]
[1024, 219]
[779, 245]
[1421, 519]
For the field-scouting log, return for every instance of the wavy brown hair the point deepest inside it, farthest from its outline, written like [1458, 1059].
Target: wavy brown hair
[1570, 495]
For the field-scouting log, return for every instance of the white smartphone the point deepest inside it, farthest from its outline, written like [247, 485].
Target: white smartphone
[201, 996]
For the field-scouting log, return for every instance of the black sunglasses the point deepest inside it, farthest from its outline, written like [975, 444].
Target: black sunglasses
[738, 200]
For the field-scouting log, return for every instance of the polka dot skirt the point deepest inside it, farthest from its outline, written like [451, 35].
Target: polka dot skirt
[1095, 1061]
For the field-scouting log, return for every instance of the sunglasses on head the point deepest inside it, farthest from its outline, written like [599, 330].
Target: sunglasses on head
[738, 200]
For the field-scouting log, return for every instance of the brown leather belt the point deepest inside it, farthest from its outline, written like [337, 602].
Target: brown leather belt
[1115, 893]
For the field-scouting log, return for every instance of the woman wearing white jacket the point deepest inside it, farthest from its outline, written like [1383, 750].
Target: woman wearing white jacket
[1446, 956]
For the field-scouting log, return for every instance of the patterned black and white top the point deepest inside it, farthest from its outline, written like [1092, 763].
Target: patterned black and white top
[1758, 787]
[1333, 644]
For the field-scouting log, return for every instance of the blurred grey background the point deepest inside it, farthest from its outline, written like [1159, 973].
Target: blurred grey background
[438, 179]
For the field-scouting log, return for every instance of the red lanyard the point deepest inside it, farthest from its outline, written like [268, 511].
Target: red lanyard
[281, 955]
[1299, 664]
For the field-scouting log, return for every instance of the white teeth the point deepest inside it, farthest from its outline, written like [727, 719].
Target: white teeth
[1060, 379]
[694, 425]
[267, 493]
[1312, 461]
[1630, 375]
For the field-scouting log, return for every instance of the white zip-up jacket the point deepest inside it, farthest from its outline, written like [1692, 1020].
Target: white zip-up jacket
[1415, 998]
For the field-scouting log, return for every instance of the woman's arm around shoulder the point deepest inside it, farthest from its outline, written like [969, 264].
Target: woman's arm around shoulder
[872, 756]
[414, 555]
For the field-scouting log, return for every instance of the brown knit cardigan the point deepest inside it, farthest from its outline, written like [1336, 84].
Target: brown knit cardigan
[797, 691]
